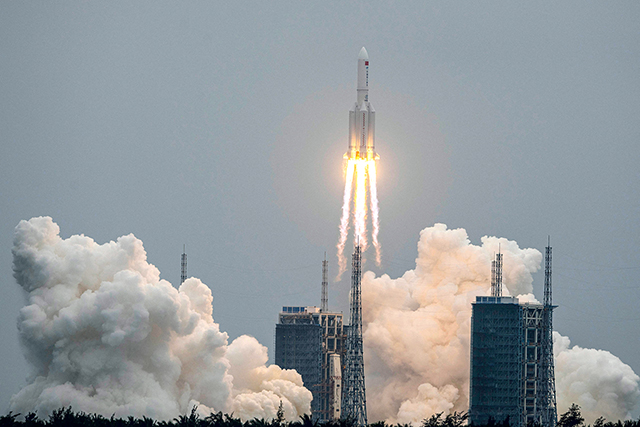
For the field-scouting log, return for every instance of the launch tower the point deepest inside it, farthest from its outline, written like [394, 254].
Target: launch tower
[354, 401]
[547, 414]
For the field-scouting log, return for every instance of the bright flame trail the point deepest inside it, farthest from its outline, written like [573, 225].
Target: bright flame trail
[362, 172]
[344, 221]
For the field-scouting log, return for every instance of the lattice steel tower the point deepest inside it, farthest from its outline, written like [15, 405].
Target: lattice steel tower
[324, 305]
[183, 266]
[548, 412]
[496, 275]
[354, 400]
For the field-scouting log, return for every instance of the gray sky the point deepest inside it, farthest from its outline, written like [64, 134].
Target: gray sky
[222, 126]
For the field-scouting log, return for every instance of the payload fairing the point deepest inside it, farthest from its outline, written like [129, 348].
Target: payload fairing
[362, 117]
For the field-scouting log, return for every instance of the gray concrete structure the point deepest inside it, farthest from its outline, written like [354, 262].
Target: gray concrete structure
[507, 364]
[312, 342]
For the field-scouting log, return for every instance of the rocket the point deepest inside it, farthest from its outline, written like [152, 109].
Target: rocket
[362, 116]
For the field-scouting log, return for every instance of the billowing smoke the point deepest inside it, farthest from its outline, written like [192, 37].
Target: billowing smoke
[595, 379]
[417, 331]
[104, 334]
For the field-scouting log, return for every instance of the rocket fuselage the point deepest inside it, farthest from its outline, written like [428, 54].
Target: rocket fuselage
[362, 117]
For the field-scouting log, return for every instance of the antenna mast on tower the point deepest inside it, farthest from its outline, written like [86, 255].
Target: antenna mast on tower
[547, 274]
[324, 306]
[496, 275]
[183, 265]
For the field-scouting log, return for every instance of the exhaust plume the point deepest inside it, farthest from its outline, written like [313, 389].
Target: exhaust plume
[360, 179]
[104, 334]
[417, 333]
[345, 219]
[596, 380]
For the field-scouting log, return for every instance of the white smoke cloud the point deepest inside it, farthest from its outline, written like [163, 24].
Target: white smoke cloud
[596, 380]
[258, 389]
[104, 334]
[417, 330]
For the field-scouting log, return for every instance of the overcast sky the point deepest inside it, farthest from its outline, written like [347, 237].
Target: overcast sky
[221, 125]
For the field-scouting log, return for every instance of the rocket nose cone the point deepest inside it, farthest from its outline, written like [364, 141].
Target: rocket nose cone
[363, 54]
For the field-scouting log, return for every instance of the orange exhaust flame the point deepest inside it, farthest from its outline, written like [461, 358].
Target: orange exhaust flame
[362, 172]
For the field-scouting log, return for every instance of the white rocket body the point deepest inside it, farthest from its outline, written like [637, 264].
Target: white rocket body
[335, 373]
[362, 117]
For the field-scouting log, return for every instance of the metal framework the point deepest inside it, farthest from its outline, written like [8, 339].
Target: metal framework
[354, 401]
[324, 303]
[493, 278]
[333, 350]
[183, 266]
[532, 334]
[496, 276]
[512, 367]
[548, 413]
[297, 346]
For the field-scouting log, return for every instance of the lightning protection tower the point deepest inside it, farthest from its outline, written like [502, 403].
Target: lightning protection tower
[354, 401]
[324, 305]
[548, 413]
[183, 266]
[496, 275]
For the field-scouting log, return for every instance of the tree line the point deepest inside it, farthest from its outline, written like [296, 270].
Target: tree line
[66, 417]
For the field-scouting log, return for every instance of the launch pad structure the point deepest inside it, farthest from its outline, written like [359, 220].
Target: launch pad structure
[354, 400]
[512, 371]
[312, 341]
